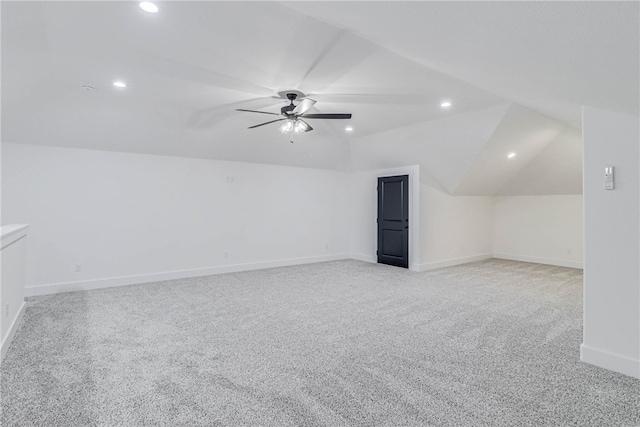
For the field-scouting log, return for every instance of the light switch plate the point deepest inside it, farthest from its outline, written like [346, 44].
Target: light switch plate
[608, 178]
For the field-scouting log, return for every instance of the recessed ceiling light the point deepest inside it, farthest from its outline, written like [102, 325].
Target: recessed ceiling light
[445, 104]
[511, 155]
[148, 7]
[119, 84]
[348, 129]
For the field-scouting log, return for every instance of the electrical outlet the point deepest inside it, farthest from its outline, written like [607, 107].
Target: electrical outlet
[226, 254]
[326, 246]
[78, 268]
[568, 251]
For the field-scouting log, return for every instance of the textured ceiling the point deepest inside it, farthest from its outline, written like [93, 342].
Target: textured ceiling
[516, 73]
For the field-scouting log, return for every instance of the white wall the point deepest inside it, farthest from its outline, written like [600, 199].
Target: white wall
[14, 238]
[454, 229]
[129, 218]
[460, 229]
[542, 229]
[364, 211]
[612, 239]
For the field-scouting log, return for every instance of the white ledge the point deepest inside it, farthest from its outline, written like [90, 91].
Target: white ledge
[12, 232]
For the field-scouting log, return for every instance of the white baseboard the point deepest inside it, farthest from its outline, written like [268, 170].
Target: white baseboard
[110, 282]
[365, 258]
[373, 259]
[454, 261]
[538, 260]
[610, 361]
[6, 340]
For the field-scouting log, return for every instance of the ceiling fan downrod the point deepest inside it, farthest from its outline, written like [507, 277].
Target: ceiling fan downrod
[287, 108]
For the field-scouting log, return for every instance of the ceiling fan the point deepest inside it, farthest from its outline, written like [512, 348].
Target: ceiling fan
[294, 115]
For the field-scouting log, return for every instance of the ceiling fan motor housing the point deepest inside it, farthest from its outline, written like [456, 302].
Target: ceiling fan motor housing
[285, 110]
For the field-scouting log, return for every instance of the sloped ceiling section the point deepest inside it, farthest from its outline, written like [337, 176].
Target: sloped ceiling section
[467, 154]
[516, 75]
[557, 169]
[551, 56]
[522, 131]
[445, 148]
[190, 66]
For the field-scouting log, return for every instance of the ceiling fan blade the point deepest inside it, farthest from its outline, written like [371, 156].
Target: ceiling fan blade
[266, 123]
[176, 69]
[207, 117]
[328, 116]
[308, 128]
[373, 98]
[303, 106]
[254, 111]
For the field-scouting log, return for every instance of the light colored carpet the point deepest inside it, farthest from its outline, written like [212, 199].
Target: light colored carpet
[331, 344]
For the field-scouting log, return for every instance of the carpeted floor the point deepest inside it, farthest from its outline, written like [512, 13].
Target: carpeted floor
[344, 343]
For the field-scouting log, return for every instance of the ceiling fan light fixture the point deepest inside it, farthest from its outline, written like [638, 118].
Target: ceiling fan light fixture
[300, 127]
[287, 126]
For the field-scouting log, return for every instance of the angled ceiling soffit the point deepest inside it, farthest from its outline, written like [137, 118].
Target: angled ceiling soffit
[521, 131]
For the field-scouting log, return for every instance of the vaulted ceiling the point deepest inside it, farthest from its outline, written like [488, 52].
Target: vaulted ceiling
[516, 74]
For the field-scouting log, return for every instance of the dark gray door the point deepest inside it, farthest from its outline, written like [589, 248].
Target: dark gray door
[393, 220]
